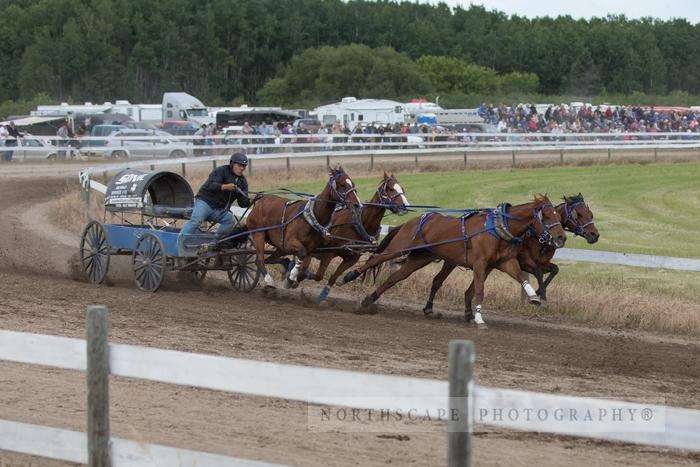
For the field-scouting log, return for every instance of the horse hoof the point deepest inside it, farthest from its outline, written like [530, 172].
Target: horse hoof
[543, 302]
[469, 317]
[534, 300]
[287, 284]
[432, 315]
[305, 297]
[482, 326]
[324, 304]
[363, 308]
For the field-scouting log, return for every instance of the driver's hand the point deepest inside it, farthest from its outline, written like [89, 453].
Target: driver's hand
[228, 187]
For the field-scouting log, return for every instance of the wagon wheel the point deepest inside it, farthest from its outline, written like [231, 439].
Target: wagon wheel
[148, 261]
[94, 252]
[244, 274]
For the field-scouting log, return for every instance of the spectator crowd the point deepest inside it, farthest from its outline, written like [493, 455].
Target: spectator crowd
[526, 118]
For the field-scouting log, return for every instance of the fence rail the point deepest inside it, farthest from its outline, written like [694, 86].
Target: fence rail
[346, 145]
[673, 427]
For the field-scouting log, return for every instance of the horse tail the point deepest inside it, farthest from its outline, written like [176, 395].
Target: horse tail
[374, 271]
[386, 240]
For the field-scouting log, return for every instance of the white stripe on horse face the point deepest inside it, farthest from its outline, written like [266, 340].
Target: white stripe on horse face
[400, 191]
[349, 182]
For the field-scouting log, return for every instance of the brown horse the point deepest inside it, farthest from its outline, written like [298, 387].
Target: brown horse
[297, 227]
[346, 228]
[536, 253]
[479, 240]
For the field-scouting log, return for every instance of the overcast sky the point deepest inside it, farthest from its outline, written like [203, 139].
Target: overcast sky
[663, 9]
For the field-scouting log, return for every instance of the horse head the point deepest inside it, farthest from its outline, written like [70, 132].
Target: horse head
[547, 222]
[342, 189]
[391, 193]
[578, 218]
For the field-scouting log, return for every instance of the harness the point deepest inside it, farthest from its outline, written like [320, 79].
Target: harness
[308, 211]
[360, 228]
[310, 218]
[496, 224]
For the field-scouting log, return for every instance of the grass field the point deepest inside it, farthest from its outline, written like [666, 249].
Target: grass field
[638, 208]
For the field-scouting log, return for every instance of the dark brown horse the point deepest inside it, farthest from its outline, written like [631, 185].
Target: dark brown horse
[348, 227]
[298, 227]
[479, 240]
[536, 253]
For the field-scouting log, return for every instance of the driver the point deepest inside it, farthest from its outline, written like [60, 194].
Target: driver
[224, 185]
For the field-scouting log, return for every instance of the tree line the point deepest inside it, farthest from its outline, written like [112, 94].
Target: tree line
[228, 51]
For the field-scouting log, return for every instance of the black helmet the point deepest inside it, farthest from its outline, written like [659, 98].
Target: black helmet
[239, 158]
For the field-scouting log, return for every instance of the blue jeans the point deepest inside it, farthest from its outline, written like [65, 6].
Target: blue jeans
[203, 212]
[7, 155]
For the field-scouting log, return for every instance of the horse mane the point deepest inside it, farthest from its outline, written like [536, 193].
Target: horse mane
[573, 199]
[540, 199]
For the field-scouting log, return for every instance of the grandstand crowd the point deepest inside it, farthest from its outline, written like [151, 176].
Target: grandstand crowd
[589, 119]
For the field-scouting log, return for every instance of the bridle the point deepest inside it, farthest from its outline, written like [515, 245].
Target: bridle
[544, 237]
[570, 216]
[388, 200]
[341, 195]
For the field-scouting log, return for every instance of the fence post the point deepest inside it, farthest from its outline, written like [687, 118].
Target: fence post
[152, 167]
[513, 154]
[97, 387]
[656, 154]
[609, 154]
[561, 156]
[104, 177]
[328, 161]
[184, 172]
[416, 159]
[371, 161]
[250, 166]
[461, 397]
[213, 164]
[465, 158]
[289, 164]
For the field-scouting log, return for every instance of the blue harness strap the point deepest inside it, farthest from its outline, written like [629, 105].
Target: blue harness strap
[496, 224]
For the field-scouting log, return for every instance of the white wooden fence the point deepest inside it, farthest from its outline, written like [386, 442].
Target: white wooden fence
[661, 426]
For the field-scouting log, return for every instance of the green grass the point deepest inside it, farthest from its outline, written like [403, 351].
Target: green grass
[638, 208]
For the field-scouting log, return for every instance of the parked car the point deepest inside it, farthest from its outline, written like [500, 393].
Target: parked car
[128, 143]
[33, 147]
[90, 146]
[180, 127]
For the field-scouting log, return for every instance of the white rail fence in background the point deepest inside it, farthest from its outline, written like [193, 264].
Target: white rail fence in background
[172, 146]
[573, 254]
[673, 427]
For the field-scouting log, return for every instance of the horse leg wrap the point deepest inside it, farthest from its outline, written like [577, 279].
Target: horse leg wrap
[350, 276]
[323, 296]
[478, 319]
[269, 281]
[370, 299]
[528, 289]
[295, 270]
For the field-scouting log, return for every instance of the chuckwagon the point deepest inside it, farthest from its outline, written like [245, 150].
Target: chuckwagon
[148, 206]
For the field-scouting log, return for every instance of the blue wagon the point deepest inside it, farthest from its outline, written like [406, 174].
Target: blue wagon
[149, 206]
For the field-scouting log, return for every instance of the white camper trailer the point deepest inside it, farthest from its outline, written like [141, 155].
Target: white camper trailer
[351, 112]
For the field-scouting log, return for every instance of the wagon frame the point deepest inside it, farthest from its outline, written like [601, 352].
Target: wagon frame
[160, 200]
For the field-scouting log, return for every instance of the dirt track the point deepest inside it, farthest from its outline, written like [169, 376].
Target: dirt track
[38, 295]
